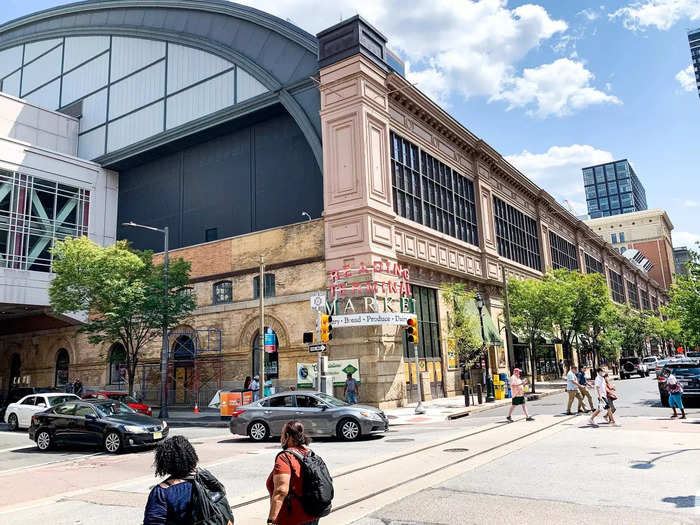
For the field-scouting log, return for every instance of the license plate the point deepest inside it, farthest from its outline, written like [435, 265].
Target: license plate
[157, 435]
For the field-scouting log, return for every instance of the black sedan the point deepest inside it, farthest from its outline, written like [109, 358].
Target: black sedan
[108, 423]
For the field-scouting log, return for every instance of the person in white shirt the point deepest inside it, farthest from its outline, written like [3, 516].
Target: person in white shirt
[601, 393]
[255, 387]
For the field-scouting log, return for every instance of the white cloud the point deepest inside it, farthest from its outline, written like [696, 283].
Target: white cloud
[558, 170]
[590, 14]
[685, 239]
[659, 13]
[558, 89]
[690, 204]
[470, 48]
[686, 78]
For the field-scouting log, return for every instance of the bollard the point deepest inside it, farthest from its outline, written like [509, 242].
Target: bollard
[466, 395]
[478, 393]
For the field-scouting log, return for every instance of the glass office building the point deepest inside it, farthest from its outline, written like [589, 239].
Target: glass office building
[613, 188]
[694, 42]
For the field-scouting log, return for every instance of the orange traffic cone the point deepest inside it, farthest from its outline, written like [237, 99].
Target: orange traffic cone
[196, 408]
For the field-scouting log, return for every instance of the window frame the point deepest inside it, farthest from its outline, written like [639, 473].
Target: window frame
[563, 253]
[593, 265]
[215, 292]
[517, 236]
[617, 288]
[269, 290]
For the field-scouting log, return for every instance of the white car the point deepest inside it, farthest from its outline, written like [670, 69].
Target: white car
[19, 414]
[651, 362]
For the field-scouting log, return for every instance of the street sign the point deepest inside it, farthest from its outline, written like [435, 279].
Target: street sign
[318, 348]
[374, 319]
[317, 301]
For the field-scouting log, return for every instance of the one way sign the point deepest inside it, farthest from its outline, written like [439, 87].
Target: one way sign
[317, 348]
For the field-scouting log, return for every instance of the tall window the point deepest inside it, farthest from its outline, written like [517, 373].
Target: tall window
[622, 237]
[428, 324]
[516, 234]
[117, 364]
[33, 213]
[645, 299]
[613, 238]
[62, 364]
[617, 290]
[654, 303]
[268, 285]
[563, 252]
[431, 193]
[593, 265]
[633, 294]
[223, 292]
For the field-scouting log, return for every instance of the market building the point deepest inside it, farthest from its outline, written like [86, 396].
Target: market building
[247, 136]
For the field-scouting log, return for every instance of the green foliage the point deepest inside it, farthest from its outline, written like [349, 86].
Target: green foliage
[462, 324]
[684, 302]
[121, 290]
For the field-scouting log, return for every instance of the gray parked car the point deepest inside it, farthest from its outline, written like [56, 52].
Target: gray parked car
[321, 414]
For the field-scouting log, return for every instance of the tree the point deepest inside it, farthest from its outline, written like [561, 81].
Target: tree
[578, 300]
[531, 307]
[462, 324]
[684, 304]
[604, 319]
[122, 292]
[631, 330]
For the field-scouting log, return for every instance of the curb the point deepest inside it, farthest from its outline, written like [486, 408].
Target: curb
[187, 423]
[483, 408]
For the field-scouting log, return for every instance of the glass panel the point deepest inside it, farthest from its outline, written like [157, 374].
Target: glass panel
[247, 86]
[86, 79]
[80, 49]
[200, 100]
[588, 176]
[131, 54]
[135, 127]
[599, 178]
[187, 66]
[41, 71]
[137, 90]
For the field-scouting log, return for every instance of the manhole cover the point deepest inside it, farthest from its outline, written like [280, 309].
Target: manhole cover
[399, 440]
[456, 450]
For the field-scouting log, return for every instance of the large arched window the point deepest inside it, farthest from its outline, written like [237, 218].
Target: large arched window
[117, 364]
[183, 348]
[223, 292]
[271, 354]
[62, 363]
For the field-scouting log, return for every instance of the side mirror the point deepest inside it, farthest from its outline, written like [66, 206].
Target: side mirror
[91, 417]
[41, 405]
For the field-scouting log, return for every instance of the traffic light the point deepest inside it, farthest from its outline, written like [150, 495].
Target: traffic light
[326, 328]
[412, 330]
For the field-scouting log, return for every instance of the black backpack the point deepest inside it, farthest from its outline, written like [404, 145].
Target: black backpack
[209, 505]
[317, 483]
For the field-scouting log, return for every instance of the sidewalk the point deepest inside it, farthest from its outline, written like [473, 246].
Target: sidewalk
[435, 410]
[453, 407]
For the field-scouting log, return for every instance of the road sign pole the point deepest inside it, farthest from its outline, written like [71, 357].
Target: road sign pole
[419, 407]
[318, 356]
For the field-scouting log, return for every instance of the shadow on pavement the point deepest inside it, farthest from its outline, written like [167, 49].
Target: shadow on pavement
[644, 465]
[681, 502]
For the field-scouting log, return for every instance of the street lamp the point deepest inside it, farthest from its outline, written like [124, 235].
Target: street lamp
[164, 349]
[489, 382]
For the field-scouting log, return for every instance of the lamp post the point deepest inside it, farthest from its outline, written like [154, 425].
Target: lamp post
[163, 413]
[489, 381]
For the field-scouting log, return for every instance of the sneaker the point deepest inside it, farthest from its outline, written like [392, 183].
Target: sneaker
[682, 417]
[569, 414]
[529, 418]
[509, 419]
[674, 415]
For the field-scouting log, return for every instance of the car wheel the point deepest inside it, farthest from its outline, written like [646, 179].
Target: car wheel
[12, 422]
[113, 442]
[258, 431]
[43, 440]
[348, 430]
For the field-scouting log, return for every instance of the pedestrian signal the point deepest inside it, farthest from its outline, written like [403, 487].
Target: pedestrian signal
[412, 330]
[326, 328]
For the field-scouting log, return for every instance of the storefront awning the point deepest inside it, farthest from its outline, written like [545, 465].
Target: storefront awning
[490, 330]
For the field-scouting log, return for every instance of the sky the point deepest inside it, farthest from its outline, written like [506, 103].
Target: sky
[553, 85]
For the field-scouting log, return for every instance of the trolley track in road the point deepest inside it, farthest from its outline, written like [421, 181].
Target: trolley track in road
[418, 451]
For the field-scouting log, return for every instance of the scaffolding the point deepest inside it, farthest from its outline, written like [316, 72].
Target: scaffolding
[195, 369]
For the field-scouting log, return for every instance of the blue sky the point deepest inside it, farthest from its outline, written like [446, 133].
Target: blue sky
[553, 85]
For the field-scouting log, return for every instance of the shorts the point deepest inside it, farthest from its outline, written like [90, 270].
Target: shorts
[518, 400]
[611, 404]
[676, 401]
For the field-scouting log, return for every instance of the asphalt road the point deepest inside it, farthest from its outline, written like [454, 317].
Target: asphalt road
[635, 472]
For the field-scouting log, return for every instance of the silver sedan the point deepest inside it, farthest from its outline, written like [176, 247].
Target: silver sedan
[321, 414]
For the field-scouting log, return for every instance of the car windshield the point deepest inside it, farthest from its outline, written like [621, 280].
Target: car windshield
[57, 400]
[124, 398]
[334, 401]
[685, 372]
[649, 359]
[113, 409]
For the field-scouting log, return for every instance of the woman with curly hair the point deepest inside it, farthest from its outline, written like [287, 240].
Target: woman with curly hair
[169, 501]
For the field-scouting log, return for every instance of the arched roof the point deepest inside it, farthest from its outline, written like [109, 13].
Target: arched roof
[278, 54]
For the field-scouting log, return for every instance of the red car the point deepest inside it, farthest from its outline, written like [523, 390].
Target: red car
[124, 398]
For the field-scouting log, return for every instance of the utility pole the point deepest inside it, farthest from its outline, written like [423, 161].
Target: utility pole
[419, 406]
[164, 351]
[506, 311]
[261, 292]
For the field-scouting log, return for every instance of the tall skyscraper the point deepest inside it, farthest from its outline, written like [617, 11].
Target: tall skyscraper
[694, 41]
[613, 188]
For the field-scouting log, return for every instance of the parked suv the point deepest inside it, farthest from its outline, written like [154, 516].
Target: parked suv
[687, 371]
[632, 365]
[651, 362]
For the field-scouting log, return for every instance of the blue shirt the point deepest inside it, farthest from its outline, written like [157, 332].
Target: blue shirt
[169, 506]
[581, 376]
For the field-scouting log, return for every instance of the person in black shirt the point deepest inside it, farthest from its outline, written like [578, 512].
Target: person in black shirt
[583, 389]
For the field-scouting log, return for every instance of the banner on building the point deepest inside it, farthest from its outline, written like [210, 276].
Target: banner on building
[338, 369]
[371, 319]
[452, 362]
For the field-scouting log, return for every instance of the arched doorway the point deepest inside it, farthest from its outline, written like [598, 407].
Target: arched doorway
[183, 354]
[117, 364]
[271, 354]
[62, 364]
